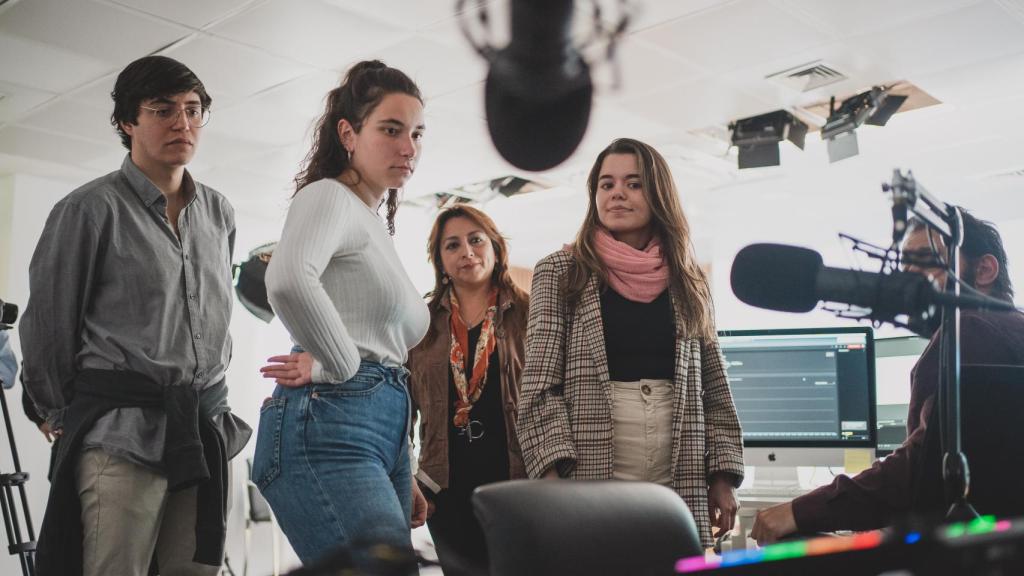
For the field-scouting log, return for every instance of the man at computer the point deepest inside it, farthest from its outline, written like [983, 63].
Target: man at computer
[879, 495]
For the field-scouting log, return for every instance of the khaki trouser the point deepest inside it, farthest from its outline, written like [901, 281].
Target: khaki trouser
[127, 513]
[642, 431]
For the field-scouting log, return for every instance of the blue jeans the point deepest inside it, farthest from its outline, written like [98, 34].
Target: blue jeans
[333, 462]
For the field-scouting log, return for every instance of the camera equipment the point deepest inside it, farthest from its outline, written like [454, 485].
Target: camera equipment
[25, 549]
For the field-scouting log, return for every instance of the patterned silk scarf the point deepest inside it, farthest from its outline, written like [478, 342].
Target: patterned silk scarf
[469, 390]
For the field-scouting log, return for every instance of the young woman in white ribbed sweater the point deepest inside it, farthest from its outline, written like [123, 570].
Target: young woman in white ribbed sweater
[332, 451]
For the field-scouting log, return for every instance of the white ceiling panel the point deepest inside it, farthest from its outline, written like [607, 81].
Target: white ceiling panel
[59, 148]
[68, 116]
[44, 66]
[91, 29]
[642, 68]
[974, 34]
[252, 120]
[698, 104]
[277, 162]
[655, 12]
[17, 100]
[735, 35]
[309, 31]
[436, 68]
[869, 15]
[304, 96]
[991, 82]
[236, 70]
[400, 13]
[468, 101]
[192, 13]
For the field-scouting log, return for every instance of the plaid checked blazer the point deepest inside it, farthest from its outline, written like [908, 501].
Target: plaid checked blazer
[565, 415]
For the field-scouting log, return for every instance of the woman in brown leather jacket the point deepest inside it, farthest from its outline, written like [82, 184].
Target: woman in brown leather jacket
[465, 381]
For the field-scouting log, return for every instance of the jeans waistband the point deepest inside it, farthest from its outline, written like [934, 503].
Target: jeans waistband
[400, 373]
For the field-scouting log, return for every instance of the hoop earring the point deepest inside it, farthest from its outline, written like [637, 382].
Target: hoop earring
[348, 155]
[444, 279]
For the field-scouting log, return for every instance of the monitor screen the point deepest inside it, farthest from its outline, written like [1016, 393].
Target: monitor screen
[803, 388]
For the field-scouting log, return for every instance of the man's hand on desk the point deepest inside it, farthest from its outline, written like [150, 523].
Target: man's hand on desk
[773, 523]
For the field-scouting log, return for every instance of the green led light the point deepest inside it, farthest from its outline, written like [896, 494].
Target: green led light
[981, 525]
[785, 551]
[956, 530]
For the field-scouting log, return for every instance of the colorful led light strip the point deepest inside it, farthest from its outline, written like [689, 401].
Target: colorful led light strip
[782, 551]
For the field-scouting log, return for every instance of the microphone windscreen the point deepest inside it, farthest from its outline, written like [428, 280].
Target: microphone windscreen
[776, 277]
[536, 125]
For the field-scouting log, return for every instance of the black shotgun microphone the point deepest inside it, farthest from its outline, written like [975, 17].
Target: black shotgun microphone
[793, 279]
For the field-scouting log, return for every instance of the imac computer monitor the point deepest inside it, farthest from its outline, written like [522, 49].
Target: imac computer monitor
[802, 395]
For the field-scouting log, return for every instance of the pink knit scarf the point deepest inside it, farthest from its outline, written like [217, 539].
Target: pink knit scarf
[638, 275]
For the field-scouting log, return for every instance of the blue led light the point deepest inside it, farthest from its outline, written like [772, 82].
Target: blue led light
[912, 537]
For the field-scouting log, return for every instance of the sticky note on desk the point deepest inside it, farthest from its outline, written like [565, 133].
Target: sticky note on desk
[856, 459]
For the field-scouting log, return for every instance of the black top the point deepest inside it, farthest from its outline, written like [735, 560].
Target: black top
[639, 339]
[485, 459]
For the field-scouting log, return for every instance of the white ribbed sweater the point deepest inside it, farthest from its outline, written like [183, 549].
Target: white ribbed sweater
[337, 284]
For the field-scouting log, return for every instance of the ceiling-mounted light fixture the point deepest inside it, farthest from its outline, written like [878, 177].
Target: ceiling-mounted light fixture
[758, 137]
[873, 107]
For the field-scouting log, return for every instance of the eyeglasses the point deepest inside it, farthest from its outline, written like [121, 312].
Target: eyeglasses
[197, 116]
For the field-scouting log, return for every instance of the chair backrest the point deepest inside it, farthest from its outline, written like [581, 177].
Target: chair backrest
[259, 509]
[542, 527]
[992, 409]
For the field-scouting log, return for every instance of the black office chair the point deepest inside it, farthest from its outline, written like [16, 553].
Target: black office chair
[992, 409]
[547, 527]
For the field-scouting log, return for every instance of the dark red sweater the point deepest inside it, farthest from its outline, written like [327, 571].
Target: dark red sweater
[880, 494]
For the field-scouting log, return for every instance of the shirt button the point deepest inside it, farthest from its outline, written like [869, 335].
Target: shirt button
[646, 389]
[199, 336]
[192, 296]
[200, 375]
[186, 255]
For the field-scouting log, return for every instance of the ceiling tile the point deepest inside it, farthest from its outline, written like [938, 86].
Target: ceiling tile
[735, 35]
[642, 68]
[400, 13]
[254, 120]
[309, 31]
[233, 69]
[698, 104]
[970, 35]
[37, 144]
[68, 116]
[436, 68]
[17, 100]
[44, 66]
[191, 13]
[90, 29]
[870, 15]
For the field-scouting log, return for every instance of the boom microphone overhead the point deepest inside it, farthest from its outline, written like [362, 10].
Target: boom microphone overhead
[538, 90]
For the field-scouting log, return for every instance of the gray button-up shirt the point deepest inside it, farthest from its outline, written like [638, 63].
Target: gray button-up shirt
[113, 287]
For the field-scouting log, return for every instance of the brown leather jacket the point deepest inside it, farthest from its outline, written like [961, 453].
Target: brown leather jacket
[429, 381]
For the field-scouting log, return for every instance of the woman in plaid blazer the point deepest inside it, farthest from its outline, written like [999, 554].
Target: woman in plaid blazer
[623, 313]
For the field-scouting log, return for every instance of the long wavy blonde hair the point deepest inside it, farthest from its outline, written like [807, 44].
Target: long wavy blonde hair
[687, 281]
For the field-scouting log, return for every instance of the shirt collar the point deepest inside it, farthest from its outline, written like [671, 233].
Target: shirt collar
[146, 190]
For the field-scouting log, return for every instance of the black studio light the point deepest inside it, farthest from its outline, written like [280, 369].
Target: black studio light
[758, 137]
[873, 107]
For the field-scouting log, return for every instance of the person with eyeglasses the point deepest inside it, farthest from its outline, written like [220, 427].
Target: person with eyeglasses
[126, 343]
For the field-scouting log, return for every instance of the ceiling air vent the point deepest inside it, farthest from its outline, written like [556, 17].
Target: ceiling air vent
[807, 77]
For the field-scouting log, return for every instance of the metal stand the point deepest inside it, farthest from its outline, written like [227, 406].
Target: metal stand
[25, 549]
[948, 222]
